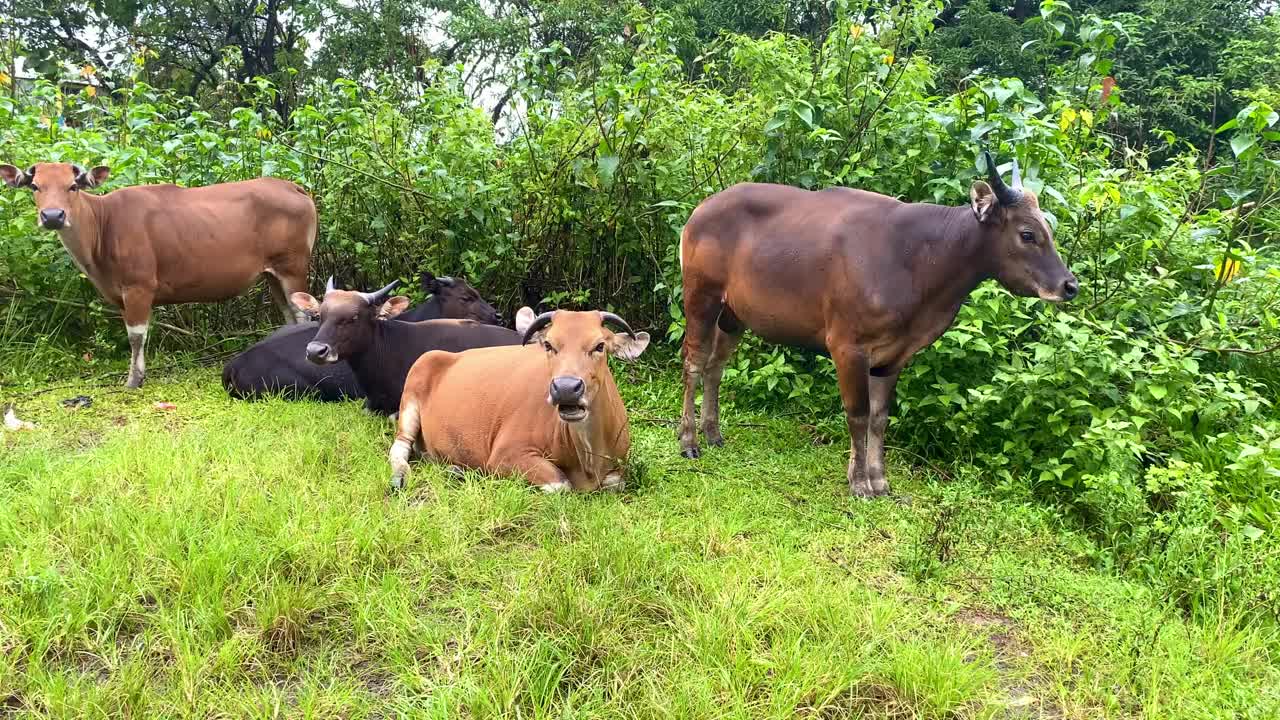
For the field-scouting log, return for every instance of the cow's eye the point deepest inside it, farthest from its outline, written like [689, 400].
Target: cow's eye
[34, 187]
[599, 347]
[547, 346]
[74, 188]
[1028, 237]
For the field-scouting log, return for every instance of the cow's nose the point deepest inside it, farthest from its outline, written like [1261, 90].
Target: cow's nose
[567, 390]
[53, 218]
[318, 352]
[1070, 288]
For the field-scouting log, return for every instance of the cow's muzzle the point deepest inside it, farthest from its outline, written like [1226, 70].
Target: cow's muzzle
[321, 353]
[567, 394]
[53, 218]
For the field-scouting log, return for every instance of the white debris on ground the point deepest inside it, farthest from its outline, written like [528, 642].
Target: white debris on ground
[11, 421]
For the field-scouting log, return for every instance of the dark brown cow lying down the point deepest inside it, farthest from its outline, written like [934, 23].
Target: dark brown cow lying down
[358, 327]
[278, 365]
[867, 278]
[162, 244]
[548, 409]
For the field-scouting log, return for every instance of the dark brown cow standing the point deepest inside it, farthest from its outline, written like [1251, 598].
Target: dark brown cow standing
[154, 245]
[867, 278]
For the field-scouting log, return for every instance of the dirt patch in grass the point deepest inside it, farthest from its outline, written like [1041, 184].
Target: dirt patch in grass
[1022, 698]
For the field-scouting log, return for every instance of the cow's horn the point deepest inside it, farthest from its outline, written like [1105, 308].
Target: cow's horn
[377, 298]
[329, 286]
[1005, 194]
[538, 323]
[1017, 177]
[608, 317]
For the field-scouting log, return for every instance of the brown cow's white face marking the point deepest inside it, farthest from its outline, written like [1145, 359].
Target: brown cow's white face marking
[577, 346]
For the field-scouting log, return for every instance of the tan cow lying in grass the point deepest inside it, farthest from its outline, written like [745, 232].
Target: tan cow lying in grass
[549, 410]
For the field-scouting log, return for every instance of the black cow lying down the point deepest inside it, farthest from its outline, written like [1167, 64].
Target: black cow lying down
[277, 365]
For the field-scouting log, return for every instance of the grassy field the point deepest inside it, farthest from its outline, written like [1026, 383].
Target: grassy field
[227, 559]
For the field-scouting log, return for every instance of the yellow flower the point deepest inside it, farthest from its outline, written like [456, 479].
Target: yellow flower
[855, 31]
[1227, 270]
[264, 133]
[87, 71]
[4, 79]
[91, 91]
[888, 59]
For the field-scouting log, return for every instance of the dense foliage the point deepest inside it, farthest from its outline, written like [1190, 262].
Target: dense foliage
[1144, 410]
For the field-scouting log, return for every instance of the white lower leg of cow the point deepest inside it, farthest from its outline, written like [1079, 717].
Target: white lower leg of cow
[399, 458]
[613, 481]
[137, 360]
[555, 487]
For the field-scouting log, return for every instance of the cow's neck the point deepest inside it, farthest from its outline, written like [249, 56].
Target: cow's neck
[951, 257]
[596, 439]
[85, 234]
[378, 368]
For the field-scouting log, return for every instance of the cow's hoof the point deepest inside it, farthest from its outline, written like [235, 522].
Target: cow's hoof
[558, 486]
[613, 482]
[692, 453]
[133, 383]
[715, 439]
[861, 490]
[456, 472]
[397, 483]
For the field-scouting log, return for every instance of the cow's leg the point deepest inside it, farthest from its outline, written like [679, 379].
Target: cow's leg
[881, 402]
[722, 348]
[408, 428]
[137, 319]
[701, 311]
[539, 471]
[853, 372]
[282, 287]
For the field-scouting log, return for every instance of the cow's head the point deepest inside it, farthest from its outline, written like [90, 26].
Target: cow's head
[346, 319]
[55, 186]
[577, 346]
[1021, 251]
[456, 299]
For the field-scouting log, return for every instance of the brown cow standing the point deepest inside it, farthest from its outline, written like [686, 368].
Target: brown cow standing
[550, 411]
[162, 244]
[867, 278]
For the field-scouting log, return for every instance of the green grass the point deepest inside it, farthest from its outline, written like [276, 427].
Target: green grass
[229, 559]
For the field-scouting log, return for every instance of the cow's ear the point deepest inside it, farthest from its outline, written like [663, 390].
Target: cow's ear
[524, 318]
[628, 347]
[13, 177]
[393, 307]
[983, 200]
[306, 303]
[94, 177]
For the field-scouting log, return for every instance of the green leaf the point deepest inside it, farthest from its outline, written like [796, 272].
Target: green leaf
[1158, 391]
[607, 165]
[981, 129]
[805, 112]
[1251, 532]
[1240, 144]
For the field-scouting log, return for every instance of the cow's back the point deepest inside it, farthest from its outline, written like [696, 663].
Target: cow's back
[767, 249]
[475, 401]
[206, 243]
